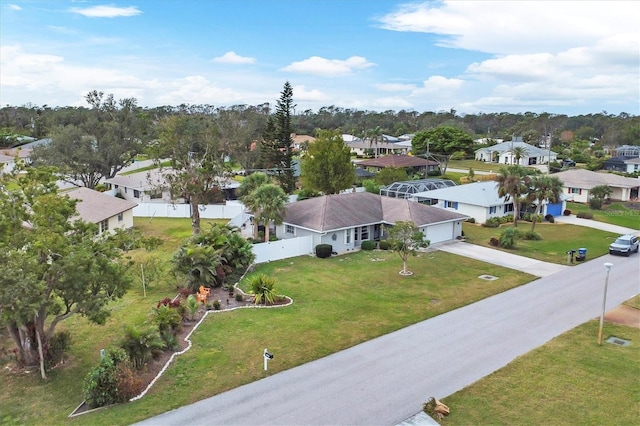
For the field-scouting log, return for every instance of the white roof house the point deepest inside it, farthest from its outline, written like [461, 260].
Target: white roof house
[479, 200]
[107, 211]
[503, 153]
[578, 182]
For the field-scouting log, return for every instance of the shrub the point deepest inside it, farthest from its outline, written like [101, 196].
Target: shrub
[493, 222]
[239, 297]
[471, 220]
[141, 345]
[368, 245]
[168, 321]
[128, 382]
[384, 245]
[216, 305]
[101, 383]
[506, 219]
[567, 212]
[324, 250]
[549, 218]
[192, 307]
[508, 237]
[595, 203]
[263, 289]
[494, 242]
[532, 236]
[585, 215]
[58, 346]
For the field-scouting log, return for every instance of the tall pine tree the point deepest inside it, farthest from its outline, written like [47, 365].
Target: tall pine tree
[277, 142]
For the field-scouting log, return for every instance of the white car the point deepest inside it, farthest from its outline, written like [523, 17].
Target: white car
[624, 245]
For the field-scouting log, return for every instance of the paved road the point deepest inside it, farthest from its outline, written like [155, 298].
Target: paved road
[386, 380]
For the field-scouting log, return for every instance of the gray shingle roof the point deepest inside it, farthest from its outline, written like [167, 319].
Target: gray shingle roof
[333, 212]
[94, 206]
[580, 178]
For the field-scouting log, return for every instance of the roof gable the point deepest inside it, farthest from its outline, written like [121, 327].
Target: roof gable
[94, 206]
[397, 161]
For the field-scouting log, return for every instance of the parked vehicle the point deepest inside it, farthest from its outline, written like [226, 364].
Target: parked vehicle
[624, 245]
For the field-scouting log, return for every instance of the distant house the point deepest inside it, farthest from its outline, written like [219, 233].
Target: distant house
[503, 153]
[142, 187]
[615, 164]
[8, 158]
[628, 151]
[408, 162]
[479, 200]
[361, 147]
[299, 141]
[578, 182]
[346, 220]
[106, 211]
[632, 165]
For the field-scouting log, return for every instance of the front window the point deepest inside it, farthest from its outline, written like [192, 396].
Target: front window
[104, 225]
[364, 233]
[136, 193]
[508, 208]
[289, 229]
[492, 210]
[120, 217]
[347, 236]
[576, 191]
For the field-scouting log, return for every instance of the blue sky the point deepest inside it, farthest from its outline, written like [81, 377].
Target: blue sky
[473, 56]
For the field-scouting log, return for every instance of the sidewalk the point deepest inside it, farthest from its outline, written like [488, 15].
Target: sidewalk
[573, 220]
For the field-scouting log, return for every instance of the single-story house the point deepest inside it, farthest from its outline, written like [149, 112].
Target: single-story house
[480, 200]
[578, 182]
[346, 220]
[615, 164]
[360, 147]
[503, 153]
[632, 165]
[105, 210]
[408, 162]
[8, 158]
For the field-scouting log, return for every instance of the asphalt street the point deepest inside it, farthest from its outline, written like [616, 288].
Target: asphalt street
[386, 380]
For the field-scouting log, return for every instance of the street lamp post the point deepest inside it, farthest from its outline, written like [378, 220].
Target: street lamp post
[608, 266]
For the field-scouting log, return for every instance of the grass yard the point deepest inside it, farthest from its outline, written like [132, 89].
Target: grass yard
[557, 239]
[338, 302]
[571, 380]
[616, 213]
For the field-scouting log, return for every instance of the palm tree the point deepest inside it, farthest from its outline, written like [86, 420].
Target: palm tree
[519, 152]
[263, 289]
[375, 135]
[513, 181]
[269, 202]
[246, 190]
[543, 188]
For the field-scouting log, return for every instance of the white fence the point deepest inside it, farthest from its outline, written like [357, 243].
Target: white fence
[283, 249]
[211, 211]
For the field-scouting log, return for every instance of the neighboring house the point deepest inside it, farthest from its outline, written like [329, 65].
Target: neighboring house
[628, 151]
[480, 200]
[577, 183]
[8, 158]
[503, 153]
[142, 187]
[300, 141]
[360, 147]
[408, 162]
[407, 188]
[615, 164]
[106, 211]
[632, 165]
[346, 220]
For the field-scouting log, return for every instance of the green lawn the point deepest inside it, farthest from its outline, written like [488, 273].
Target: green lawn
[338, 302]
[557, 239]
[571, 380]
[616, 213]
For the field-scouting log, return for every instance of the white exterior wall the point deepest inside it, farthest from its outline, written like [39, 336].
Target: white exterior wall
[440, 232]
[126, 223]
[283, 249]
[582, 197]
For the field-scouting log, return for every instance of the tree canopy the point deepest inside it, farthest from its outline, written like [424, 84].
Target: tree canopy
[442, 140]
[53, 266]
[327, 166]
[405, 239]
[513, 182]
[101, 145]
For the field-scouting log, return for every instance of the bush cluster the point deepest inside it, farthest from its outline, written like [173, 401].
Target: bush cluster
[567, 212]
[384, 245]
[368, 245]
[111, 381]
[585, 215]
[549, 218]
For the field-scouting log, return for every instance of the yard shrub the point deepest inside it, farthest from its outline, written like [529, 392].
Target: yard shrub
[168, 320]
[239, 297]
[471, 220]
[58, 346]
[585, 215]
[532, 236]
[384, 245]
[494, 242]
[216, 305]
[493, 222]
[263, 289]
[368, 245]
[549, 218]
[595, 203]
[567, 212]
[141, 345]
[506, 219]
[324, 250]
[508, 237]
[101, 383]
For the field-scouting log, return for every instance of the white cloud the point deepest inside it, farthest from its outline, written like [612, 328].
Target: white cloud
[328, 67]
[503, 27]
[233, 58]
[438, 84]
[394, 87]
[106, 11]
[14, 7]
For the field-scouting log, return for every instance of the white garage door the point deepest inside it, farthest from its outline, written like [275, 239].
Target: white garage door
[440, 232]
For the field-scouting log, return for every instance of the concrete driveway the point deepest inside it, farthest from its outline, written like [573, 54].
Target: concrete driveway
[386, 380]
